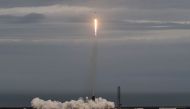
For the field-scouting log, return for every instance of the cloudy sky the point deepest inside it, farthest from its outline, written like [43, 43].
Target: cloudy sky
[143, 45]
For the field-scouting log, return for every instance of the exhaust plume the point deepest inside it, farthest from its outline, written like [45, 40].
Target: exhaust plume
[93, 65]
[99, 103]
[93, 58]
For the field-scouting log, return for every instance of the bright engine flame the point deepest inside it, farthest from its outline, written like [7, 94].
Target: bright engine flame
[95, 26]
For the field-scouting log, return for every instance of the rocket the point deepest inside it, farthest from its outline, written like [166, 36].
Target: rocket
[94, 56]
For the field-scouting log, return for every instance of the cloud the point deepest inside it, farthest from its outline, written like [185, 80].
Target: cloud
[99, 103]
[27, 3]
[138, 4]
[61, 18]
[48, 10]
[126, 9]
[29, 18]
[128, 24]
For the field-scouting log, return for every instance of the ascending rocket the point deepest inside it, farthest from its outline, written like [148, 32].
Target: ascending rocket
[94, 56]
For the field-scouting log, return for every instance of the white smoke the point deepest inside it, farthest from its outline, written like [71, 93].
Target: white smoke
[99, 103]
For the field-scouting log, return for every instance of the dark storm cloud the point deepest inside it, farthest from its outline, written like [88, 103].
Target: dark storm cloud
[29, 18]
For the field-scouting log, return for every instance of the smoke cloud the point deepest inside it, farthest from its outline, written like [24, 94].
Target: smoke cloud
[99, 103]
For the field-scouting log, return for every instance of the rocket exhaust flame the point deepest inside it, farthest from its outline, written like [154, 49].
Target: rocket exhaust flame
[95, 26]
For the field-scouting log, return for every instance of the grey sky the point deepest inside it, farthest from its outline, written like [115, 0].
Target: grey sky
[143, 45]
